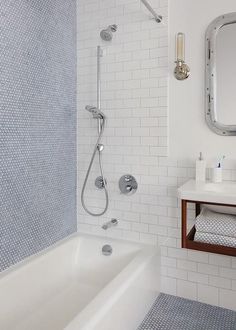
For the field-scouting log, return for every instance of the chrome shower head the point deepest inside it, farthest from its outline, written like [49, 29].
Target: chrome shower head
[95, 112]
[107, 33]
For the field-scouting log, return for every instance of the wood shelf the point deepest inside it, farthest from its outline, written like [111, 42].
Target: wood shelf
[188, 238]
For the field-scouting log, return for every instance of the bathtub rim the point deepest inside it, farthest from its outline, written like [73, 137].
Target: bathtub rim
[33, 258]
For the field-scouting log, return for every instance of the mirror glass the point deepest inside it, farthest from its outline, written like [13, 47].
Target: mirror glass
[226, 74]
[220, 88]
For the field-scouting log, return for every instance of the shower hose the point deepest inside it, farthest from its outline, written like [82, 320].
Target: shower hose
[96, 149]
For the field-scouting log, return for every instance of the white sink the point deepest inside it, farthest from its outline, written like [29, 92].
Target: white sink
[220, 187]
[222, 193]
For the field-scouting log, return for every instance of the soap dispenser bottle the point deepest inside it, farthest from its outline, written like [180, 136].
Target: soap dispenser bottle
[200, 169]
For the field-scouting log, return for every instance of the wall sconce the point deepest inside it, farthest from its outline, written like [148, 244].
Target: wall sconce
[181, 71]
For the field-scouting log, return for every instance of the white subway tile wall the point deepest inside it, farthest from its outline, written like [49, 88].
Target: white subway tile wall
[135, 101]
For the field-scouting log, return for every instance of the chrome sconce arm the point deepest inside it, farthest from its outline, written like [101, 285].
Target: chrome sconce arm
[182, 70]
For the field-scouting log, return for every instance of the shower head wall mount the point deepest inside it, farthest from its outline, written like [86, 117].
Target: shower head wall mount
[156, 17]
[107, 34]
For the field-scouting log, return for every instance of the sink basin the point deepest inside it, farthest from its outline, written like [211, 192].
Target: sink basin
[220, 187]
[221, 193]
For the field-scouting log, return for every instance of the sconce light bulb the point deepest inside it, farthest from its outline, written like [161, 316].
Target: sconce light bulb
[180, 46]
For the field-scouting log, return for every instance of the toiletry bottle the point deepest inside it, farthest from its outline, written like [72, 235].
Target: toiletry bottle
[216, 174]
[200, 169]
[217, 171]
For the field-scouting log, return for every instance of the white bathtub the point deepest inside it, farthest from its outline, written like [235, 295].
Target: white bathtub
[73, 286]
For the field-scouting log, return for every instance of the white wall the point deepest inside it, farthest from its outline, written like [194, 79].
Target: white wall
[189, 133]
[134, 98]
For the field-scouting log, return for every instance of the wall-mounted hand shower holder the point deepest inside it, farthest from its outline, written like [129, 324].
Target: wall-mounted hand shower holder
[97, 114]
[99, 182]
[128, 184]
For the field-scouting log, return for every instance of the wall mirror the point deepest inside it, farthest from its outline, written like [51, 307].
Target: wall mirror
[221, 75]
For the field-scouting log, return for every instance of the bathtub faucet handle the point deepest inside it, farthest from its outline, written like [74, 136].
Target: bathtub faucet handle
[112, 223]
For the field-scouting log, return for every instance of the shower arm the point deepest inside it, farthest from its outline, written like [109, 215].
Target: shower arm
[157, 18]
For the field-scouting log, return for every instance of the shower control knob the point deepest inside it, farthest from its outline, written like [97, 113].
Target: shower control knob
[128, 178]
[129, 188]
[128, 184]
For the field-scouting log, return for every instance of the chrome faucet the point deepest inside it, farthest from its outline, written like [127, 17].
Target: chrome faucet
[111, 223]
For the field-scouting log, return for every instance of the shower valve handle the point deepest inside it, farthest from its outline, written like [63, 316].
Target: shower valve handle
[129, 188]
[128, 184]
[128, 178]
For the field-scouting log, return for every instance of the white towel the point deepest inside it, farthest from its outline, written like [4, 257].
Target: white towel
[216, 223]
[221, 209]
[215, 239]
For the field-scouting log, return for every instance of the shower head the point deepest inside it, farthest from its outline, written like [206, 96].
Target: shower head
[95, 112]
[107, 33]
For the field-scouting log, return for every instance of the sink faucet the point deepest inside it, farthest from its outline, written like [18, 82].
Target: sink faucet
[111, 223]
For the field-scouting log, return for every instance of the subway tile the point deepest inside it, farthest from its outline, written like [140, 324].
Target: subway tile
[227, 299]
[168, 285]
[219, 260]
[150, 122]
[198, 256]
[159, 230]
[140, 227]
[159, 52]
[151, 141]
[177, 273]
[158, 151]
[158, 210]
[122, 75]
[169, 262]
[220, 282]
[193, 276]
[140, 74]
[140, 131]
[167, 221]
[207, 269]
[148, 238]
[149, 218]
[177, 253]
[228, 273]
[187, 289]
[233, 262]
[234, 284]
[208, 294]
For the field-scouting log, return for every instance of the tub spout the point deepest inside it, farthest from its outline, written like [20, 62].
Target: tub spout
[111, 223]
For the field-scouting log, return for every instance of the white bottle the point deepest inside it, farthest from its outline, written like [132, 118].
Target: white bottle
[216, 175]
[200, 169]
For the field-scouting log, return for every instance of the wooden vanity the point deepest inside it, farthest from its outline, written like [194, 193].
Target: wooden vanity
[197, 193]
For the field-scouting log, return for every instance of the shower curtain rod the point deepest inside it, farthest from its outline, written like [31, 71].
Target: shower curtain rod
[157, 18]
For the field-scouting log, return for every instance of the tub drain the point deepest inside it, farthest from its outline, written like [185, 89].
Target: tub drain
[106, 250]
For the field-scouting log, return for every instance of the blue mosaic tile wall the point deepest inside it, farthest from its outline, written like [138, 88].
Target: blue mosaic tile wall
[37, 126]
